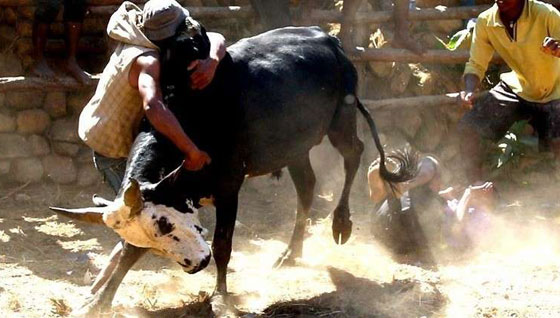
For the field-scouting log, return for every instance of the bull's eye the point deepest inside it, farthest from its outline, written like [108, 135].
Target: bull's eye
[164, 226]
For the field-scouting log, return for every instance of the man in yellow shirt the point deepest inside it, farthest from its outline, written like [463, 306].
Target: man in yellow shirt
[524, 33]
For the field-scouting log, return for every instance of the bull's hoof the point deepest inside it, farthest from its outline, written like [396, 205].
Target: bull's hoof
[93, 309]
[342, 226]
[222, 306]
[287, 258]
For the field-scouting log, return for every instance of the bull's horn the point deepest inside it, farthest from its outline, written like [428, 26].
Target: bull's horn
[100, 201]
[91, 215]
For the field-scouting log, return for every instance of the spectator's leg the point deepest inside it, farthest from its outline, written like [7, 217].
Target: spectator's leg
[349, 10]
[45, 14]
[490, 119]
[402, 34]
[74, 13]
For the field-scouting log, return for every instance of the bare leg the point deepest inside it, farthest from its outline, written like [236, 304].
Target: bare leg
[304, 181]
[348, 12]
[402, 35]
[73, 31]
[40, 67]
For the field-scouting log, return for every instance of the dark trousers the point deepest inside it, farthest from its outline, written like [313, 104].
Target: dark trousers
[111, 169]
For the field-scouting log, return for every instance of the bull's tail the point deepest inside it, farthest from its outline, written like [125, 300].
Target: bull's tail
[406, 160]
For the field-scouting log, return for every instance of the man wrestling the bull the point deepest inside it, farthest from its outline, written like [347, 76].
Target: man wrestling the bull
[525, 34]
[129, 88]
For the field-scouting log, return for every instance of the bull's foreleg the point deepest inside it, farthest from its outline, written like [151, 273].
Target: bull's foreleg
[342, 135]
[226, 213]
[304, 181]
[101, 302]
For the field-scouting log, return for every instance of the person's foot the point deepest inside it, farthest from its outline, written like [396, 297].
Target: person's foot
[74, 70]
[42, 69]
[403, 39]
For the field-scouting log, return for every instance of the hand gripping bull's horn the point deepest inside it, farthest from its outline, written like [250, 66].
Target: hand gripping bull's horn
[91, 215]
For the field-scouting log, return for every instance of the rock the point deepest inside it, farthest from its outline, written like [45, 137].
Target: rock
[444, 26]
[55, 104]
[10, 65]
[60, 169]
[400, 79]
[39, 145]
[64, 130]
[27, 170]
[383, 121]
[22, 197]
[88, 175]
[65, 148]
[424, 81]
[76, 101]
[33, 121]
[4, 167]
[13, 146]
[430, 133]
[7, 123]
[409, 123]
[85, 155]
[449, 152]
[24, 100]
[380, 69]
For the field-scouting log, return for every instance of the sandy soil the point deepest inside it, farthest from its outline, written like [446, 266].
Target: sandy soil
[47, 264]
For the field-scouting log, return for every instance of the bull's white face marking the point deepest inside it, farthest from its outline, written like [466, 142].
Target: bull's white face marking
[168, 232]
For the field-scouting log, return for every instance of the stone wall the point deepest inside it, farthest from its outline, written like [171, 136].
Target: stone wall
[39, 141]
[38, 130]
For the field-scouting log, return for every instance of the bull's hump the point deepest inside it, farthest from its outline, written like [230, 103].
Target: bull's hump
[285, 36]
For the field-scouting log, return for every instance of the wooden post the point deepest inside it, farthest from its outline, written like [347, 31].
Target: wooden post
[403, 55]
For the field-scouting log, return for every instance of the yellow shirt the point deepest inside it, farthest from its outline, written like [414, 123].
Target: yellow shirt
[535, 76]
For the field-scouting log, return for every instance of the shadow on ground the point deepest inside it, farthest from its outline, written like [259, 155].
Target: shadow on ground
[354, 297]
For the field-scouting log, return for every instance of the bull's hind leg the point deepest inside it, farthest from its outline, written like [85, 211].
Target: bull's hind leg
[343, 136]
[304, 181]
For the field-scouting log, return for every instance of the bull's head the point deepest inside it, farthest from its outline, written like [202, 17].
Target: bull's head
[189, 44]
[166, 231]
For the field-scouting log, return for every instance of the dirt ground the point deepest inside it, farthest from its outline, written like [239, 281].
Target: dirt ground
[47, 263]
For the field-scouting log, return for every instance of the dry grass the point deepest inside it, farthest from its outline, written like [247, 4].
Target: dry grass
[60, 308]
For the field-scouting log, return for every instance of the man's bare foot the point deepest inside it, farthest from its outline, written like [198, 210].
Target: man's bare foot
[42, 69]
[403, 39]
[72, 67]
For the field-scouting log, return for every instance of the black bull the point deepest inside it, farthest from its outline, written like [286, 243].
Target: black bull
[274, 96]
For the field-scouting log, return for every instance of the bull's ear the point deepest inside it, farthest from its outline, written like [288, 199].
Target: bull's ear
[91, 215]
[132, 197]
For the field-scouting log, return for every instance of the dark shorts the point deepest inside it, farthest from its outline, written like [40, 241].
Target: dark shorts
[494, 114]
[47, 10]
[111, 169]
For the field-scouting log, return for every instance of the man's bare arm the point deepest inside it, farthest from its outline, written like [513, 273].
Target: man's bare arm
[471, 84]
[205, 69]
[144, 75]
